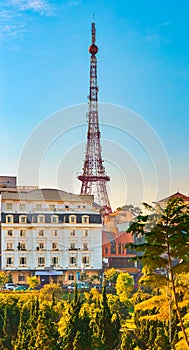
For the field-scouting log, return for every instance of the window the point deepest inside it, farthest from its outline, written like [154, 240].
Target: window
[23, 261]
[21, 278]
[9, 219]
[71, 277]
[9, 261]
[106, 250]
[54, 219]
[41, 219]
[85, 233]
[54, 260]
[41, 233]
[85, 219]
[72, 219]
[22, 206]
[21, 246]
[38, 206]
[55, 233]
[54, 246]
[41, 245]
[22, 219]
[41, 261]
[8, 206]
[9, 246]
[85, 246]
[72, 245]
[72, 260]
[72, 232]
[85, 260]
[113, 248]
[22, 233]
[10, 233]
[119, 248]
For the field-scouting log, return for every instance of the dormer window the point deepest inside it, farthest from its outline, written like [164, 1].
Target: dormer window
[22, 219]
[72, 219]
[41, 219]
[85, 219]
[54, 219]
[9, 219]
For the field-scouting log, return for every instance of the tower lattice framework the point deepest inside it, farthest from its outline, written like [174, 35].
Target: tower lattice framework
[94, 177]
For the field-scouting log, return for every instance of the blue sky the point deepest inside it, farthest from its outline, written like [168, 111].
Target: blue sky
[143, 65]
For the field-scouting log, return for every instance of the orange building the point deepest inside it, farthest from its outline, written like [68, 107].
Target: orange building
[115, 254]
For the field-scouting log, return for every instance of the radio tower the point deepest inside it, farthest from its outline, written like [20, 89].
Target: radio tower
[94, 177]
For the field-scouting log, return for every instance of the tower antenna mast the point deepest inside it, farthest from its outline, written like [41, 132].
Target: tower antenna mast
[94, 177]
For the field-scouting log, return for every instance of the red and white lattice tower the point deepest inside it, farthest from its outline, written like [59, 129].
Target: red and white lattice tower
[94, 177]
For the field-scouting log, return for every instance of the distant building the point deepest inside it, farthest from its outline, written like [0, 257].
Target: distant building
[178, 195]
[114, 240]
[51, 234]
[7, 183]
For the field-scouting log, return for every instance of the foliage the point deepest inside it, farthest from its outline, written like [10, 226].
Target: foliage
[111, 275]
[4, 278]
[129, 207]
[106, 327]
[165, 250]
[50, 290]
[124, 286]
[33, 282]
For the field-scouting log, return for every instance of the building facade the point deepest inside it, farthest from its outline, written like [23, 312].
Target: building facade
[51, 234]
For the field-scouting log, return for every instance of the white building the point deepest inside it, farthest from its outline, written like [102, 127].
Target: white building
[50, 233]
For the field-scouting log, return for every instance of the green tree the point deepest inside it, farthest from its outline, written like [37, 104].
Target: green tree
[124, 286]
[6, 330]
[127, 341]
[83, 337]
[111, 275]
[106, 327]
[4, 278]
[70, 325]
[33, 282]
[46, 332]
[27, 330]
[166, 232]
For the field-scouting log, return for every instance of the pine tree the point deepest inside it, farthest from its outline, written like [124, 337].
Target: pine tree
[166, 232]
[26, 331]
[73, 321]
[46, 333]
[106, 327]
[6, 341]
[127, 342]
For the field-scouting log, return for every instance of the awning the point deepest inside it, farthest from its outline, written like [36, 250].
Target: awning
[49, 273]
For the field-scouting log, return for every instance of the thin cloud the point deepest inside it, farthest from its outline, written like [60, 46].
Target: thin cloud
[16, 16]
[73, 3]
[41, 6]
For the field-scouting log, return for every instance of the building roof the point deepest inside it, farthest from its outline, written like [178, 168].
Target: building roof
[120, 237]
[175, 195]
[47, 194]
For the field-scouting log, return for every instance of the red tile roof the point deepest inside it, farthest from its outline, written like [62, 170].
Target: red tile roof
[118, 237]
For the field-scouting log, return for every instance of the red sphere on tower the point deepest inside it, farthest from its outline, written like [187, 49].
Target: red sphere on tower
[93, 49]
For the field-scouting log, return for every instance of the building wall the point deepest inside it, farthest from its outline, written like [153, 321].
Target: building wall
[51, 237]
